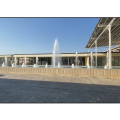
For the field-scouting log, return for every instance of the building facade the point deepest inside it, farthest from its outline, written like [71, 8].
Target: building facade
[67, 59]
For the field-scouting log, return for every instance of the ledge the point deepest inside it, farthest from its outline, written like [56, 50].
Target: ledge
[62, 71]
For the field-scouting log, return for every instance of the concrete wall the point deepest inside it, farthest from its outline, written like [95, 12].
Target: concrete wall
[61, 71]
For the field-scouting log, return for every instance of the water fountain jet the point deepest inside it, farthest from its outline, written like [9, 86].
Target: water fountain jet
[58, 64]
[56, 54]
[46, 66]
[23, 65]
[13, 65]
[5, 61]
[35, 66]
[77, 61]
[76, 58]
[3, 65]
[73, 66]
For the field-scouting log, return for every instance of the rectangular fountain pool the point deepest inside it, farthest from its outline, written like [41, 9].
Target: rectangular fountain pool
[50, 66]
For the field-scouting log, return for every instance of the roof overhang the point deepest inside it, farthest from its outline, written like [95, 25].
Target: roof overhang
[101, 33]
[115, 49]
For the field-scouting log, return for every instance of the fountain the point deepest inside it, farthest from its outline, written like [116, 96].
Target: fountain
[35, 66]
[76, 58]
[13, 65]
[5, 61]
[58, 64]
[73, 66]
[88, 66]
[3, 65]
[105, 67]
[56, 54]
[46, 66]
[23, 65]
[77, 61]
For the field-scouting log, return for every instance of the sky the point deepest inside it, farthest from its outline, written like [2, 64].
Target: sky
[37, 35]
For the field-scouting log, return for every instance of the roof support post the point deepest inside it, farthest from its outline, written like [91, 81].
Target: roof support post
[96, 51]
[91, 54]
[110, 59]
[107, 60]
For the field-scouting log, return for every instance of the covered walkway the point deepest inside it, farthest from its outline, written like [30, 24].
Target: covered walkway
[106, 33]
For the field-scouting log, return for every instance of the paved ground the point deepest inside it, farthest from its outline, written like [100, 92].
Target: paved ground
[21, 88]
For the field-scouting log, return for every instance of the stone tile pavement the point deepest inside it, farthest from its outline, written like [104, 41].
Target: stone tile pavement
[24, 88]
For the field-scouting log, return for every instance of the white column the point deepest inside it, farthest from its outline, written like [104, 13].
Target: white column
[68, 61]
[110, 60]
[96, 52]
[36, 60]
[91, 59]
[107, 63]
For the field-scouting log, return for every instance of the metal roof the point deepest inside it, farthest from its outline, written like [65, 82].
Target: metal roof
[103, 37]
[115, 49]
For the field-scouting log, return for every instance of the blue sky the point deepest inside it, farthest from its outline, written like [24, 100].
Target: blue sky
[37, 35]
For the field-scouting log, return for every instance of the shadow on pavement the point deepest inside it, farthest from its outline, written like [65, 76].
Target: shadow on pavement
[1, 75]
[30, 91]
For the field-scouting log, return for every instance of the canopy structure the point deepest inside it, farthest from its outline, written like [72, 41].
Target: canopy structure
[101, 33]
[115, 49]
[106, 33]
